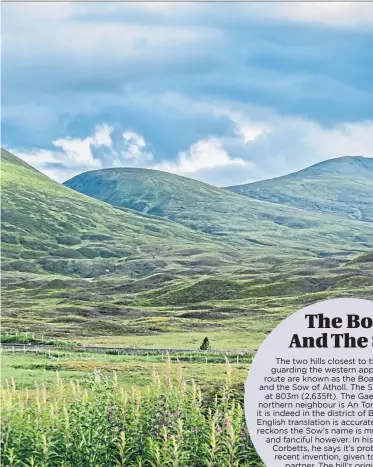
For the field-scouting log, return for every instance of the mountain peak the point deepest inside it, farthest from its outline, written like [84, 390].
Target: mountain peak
[341, 186]
[357, 165]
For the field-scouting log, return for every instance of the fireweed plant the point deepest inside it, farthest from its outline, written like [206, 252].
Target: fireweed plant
[99, 424]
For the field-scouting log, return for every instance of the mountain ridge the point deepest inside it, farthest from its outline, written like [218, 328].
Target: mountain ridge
[341, 186]
[76, 266]
[237, 217]
[366, 162]
[58, 229]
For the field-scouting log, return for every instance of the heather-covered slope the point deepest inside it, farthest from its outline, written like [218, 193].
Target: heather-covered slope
[47, 227]
[238, 220]
[342, 187]
[75, 267]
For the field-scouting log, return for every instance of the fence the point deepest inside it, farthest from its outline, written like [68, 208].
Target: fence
[191, 355]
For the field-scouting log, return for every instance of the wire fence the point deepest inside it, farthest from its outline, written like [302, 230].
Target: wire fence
[191, 355]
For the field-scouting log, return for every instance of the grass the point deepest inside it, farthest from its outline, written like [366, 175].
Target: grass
[28, 368]
[98, 423]
[330, 187]
[241, 221]
[48, 228]
[77, 269]
[205, 263]
[220, 339]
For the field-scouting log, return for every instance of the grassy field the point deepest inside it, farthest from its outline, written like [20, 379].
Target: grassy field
[30, 368]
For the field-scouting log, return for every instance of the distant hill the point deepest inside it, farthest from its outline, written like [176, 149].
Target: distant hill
[235, 219]
[342, 187]
[194, 259]
[48, 228]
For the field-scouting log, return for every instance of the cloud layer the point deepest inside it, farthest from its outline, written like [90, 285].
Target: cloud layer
[225, 93]
[285, 145]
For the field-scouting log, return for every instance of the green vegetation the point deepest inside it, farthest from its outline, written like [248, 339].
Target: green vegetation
[97, 423]
[39, 367]
[77, 269]
[48, 228]
[32, 339]
[170, 262]
[205, 344]
[245, 223]
[342, 187]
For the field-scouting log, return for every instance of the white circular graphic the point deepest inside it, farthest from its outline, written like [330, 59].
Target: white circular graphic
[309, 393]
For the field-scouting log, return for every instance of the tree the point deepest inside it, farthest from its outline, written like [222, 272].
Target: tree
[205, 344]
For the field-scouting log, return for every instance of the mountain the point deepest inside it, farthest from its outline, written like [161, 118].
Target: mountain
[49, 228]
[342, 187]
[237, 220]
[210, 262]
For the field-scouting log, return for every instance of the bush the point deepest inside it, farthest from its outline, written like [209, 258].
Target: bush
[9, 238]
[88, 252]
[69, 240]
[21, 266]
[205, 344]
[99, 237]
[27, 339]
[66, 253]
[32, 244]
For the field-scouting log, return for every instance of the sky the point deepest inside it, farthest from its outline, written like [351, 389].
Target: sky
[226, 93]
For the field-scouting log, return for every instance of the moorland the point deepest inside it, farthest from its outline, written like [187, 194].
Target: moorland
[136, 258]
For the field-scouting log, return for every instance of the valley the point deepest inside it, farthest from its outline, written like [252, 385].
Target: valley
[162, 260]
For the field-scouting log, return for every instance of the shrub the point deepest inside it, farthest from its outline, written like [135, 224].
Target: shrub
[9, 238]
[66, 253]
[88, 252]
[32, 244]
[21, 266]
[69, 240]
[100, 424]
[27, 339]
[205, 344]
[100, 237]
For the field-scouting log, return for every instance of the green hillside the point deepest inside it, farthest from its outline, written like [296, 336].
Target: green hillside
[57, 244]
[47, 227]
[342, 187]
[242, 222]
[77, 268]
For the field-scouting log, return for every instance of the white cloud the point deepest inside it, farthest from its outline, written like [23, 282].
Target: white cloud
[348, 139]
[335, 14]
[292, 144]
[134, 152]
[79, 151]
[66, 30]
[135, 145]
[72, 155]
[76, 155]
[257, 150]
[246, 128]
[102, 136]
[203, 155]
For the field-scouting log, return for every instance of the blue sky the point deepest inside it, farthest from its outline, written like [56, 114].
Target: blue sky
[224, 93]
